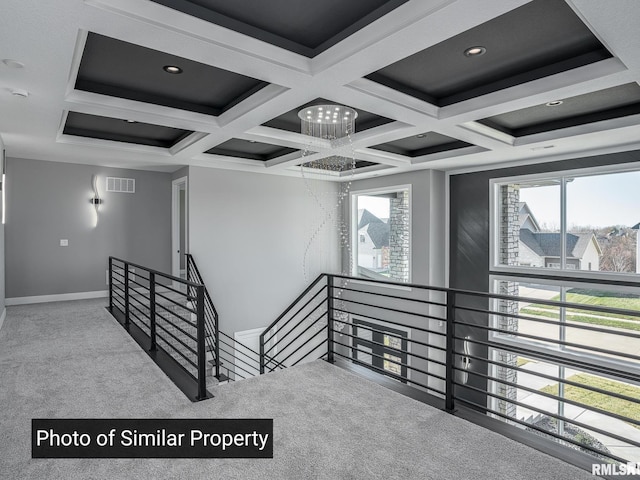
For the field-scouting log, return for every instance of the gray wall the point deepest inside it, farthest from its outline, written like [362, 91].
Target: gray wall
[247, 233]
[49, 201]
[2, 274]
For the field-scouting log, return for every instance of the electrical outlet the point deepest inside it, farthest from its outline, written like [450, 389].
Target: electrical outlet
[64, 242]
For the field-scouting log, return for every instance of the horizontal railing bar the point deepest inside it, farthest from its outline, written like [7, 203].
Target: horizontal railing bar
[549, 395]
[173, 347]
[391, 322]
[551, 414]
[391, 348]
[309, 352]
[176, 303]
[185, 295]
[235, 365]
[191, 336]
[293, 304]
[302, 345]
[257, 361]
[417, 300]
[137, 300]
[156, 272]
[388, 373]
[133, 307]
[539, 429]
[545, 376]
[555, 323]
[245, 347]
[296, 314]
[407, 339]
[550, 340]
[508, 297]
[389, 309]
[188, 322]
[117, 273]
[392, 361]
[145, 288]
[117, 301]
[301, 333]
[549, 357]
[183, 354]
[280, 339]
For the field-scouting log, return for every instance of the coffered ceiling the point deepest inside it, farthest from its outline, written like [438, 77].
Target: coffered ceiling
[444, 84]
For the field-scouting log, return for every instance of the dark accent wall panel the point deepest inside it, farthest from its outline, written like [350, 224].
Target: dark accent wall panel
[469, 243]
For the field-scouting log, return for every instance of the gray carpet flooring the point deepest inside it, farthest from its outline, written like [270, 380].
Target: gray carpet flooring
[73, 360]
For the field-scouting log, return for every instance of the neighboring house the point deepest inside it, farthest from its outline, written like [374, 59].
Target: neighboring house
[373, 241]
[542, 249]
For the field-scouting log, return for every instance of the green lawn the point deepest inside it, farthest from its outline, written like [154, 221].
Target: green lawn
[603, 299]
[599, 400]
[580, 318]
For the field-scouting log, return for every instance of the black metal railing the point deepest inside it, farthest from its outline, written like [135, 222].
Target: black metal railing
[558, 373]
[231, 359]
[211, 319]
[166, 316]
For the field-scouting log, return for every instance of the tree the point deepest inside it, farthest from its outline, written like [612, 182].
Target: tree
[619, 254]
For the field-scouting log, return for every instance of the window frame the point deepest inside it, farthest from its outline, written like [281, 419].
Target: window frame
[569, 354]
[353, 227]
[494, 224]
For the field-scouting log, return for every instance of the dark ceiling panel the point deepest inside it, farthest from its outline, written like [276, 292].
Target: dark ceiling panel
[248, 149]
[605, 104]
[106, 128]
[291, 122]
[423, 144]
[541, 38]
[303, 27]
[121, 69]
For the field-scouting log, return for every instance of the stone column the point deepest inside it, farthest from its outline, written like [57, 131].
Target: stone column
[509, 238]
[399, 237]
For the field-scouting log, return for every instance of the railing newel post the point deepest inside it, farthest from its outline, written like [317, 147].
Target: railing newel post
[110, 283]
[330, 317]
[450, 351]
[202, 358]
[152, 310]
[126, 296]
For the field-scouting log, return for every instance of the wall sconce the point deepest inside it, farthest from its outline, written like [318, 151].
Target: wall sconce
[96, 201]
[3, 184]
[466, 361]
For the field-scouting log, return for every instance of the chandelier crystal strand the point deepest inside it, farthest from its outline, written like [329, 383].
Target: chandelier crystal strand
[334, 124]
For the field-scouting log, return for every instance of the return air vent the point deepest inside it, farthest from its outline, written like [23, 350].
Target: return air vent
[121, 185]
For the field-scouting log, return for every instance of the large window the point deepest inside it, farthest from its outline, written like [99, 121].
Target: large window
[381, 223]
[579, 222]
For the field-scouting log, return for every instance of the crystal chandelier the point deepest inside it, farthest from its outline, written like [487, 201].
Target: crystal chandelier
[329, 128]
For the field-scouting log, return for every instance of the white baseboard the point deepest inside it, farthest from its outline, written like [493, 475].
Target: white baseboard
[63, 297]
[2, 317]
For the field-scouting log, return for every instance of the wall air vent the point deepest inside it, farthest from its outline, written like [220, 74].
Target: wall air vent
[121, 185]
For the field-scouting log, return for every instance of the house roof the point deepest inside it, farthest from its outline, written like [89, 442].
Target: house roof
[548, 244]
[248, 67]
[524, 213]
[377, 229]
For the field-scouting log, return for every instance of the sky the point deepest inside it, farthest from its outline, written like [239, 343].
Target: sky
[596, 201]
[376, 205]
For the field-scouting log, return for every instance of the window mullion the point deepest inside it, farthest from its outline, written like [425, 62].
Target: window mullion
[563, 224]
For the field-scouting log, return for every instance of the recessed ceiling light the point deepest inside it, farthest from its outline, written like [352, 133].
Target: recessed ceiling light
[475, 51]
[422, 135]
[12, 63]
[554, 103]
[252, 141]
[130, 121]
[172, 69]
